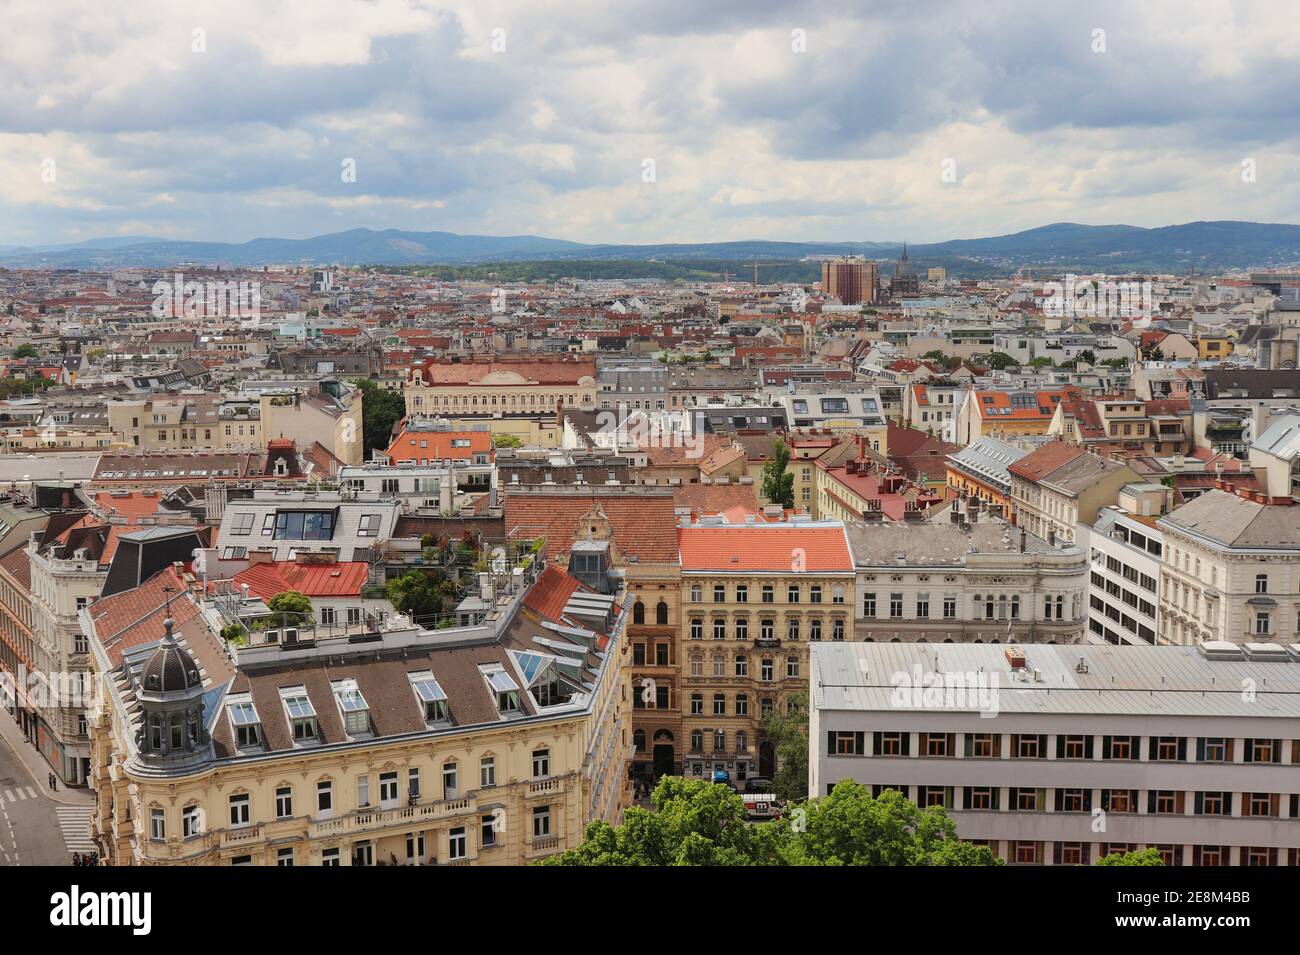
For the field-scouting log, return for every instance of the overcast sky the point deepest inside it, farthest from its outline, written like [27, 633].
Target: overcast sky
[750, 138]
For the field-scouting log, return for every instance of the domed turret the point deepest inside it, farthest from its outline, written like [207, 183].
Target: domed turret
[170, 668]
[171, 695]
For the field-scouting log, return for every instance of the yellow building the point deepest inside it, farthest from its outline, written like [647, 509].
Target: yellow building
[753, 597]
[500, 386]
[1213, 347]
[490, 744]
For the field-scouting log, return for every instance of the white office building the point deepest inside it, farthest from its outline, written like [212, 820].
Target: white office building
[1123, 577]
[1061, 755]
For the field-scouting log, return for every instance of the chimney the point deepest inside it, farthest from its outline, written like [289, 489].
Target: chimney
[1022, 540]
[1051, 538]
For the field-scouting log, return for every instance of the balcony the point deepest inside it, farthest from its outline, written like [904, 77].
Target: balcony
[372, 820]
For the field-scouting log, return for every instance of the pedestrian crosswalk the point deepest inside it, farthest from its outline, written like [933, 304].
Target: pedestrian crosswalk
[17, 794]
[74, 823]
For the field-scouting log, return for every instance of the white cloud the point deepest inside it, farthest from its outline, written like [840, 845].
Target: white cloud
[750, 139]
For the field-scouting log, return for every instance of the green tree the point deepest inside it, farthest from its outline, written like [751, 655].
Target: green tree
[1087, 356]
[850, 827]
[507, 441]
[998, 360]
[1136, 857]
[26, 351]
[778, 482]
[789, 731]
[702, 823]
[289, 608]
[416, 594]
[694, 823]
[380, 410]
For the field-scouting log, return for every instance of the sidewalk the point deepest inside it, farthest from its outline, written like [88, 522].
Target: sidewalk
[27, 754]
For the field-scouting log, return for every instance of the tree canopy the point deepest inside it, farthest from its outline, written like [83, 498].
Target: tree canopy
[1136, 857]
[778, 481]
[289, 609]
[380, 410]
[789, 731]
[703, 823]
[415, 594]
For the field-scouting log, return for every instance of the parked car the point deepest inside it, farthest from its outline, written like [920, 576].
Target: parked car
[722, 776]
[757, 784]
[762, 806]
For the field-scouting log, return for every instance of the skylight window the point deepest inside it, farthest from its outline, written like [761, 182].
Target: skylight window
[356, 714]
[245, 722]
[430, 696]
[302, 715]
[506, 691]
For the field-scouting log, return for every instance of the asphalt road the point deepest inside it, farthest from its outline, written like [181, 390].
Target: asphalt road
[34, 829]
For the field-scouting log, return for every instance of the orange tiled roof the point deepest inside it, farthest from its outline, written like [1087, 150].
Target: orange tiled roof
[438, 445]
[551, 592]
[343, 579]
[765, 547]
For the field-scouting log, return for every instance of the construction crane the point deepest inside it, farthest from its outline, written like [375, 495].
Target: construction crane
[756, 266]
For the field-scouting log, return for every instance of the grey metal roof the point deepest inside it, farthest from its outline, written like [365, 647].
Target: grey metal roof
[1234, 521]
[937, 542]
[1130, 680]
[988, 459]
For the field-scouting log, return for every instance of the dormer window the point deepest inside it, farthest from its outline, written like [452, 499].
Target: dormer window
[356, 713]
[430, 696]
[245, 723]
[506, 691]
[302, 715]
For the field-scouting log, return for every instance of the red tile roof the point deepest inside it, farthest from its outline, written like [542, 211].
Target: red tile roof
[642, 524]
[986, 400]
[344, 579]
[438, 445]
[542, 372]
[1040, 463]
[765, 547]
[551, 592]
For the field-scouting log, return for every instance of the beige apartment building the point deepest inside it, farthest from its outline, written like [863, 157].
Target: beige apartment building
[489, 744]
[1059, 485]
[500, 386]
[330, 415]
[1231, 570]
[754, 597]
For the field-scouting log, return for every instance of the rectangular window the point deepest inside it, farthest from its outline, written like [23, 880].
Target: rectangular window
[283, 802]
[239, 810]
[541, 822]
[487, 772]
[456, 844]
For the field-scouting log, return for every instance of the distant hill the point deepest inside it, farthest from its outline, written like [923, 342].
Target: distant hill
[1062, 246]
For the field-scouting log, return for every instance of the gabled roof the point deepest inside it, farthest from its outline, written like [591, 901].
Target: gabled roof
[1042, 462]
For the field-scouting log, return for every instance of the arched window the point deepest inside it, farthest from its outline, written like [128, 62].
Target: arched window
[719, 704]
[638, 613]
[661, 614]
